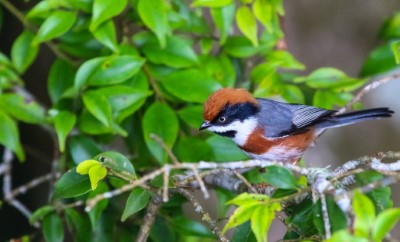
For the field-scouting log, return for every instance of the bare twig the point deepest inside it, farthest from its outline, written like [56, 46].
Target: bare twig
[165, 147]
[35, 182]
[166, 183]
[149, 218]
[325, 216]
[367, 89]
[205, 216]
[245, 181]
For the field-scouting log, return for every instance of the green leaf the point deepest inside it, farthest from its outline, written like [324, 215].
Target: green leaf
[241, 47]
[117, 164]
[71, 184]
[242, 232]
[247, 24]
[211, 3]
[53, 228]
[82, 148]
[96, 174]
[293, 94]
[261, 220]
[300, 216]
[364, 211]
[9, 135]
[190, 227]
[55, 25]
[43, 9]
[112, 70]
[40, 213]
[177, 52]
[87, 69]
[280, 177]
[391, 28]
[193, 150]
[23, 53]
[190, 85]
[98, 105]
[138, 199]
[154, 16]
[248, 199]
[192, 115]
[79, 224]
[206, 45]
[344, 235]
[336, 216]
[283, 59]
[166, 128]
[224, 149]
[223, 18]
[220, 69]
[263, 12]
[96, 212]
[378, 61]
[330, 99]
[26, 111]
[60, 79]
[64, 121]
[384, 223]
[396, 50]
[104, 10]
[106, 35]
[239, 216]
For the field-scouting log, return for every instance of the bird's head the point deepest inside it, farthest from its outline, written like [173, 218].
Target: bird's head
[226, 111]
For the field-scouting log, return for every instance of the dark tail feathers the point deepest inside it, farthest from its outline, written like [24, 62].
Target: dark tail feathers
[355, 117]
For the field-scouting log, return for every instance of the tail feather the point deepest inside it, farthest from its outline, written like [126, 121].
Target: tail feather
[354, 117]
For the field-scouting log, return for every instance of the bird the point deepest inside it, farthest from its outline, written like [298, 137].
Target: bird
[270, 130]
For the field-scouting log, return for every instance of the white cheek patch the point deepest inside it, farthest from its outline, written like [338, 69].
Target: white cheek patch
[243, 129]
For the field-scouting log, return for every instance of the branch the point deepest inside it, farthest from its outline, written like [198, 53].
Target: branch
[205, 216]
[367, 89]
[149, 218]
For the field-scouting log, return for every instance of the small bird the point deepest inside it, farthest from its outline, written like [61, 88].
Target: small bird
[271, 130]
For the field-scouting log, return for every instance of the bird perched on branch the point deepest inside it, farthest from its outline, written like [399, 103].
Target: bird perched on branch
[271, 130]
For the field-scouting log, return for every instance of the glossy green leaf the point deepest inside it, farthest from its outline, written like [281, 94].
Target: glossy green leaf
[166, 128]
[98, 105]
[193, 150]
[283, 59]
[223, 18]
[154, 16]
[211, 3]
[396, 50]
[82, 148]
[330, 99]
[87, 69]
[106, 35]
[64, 121]
[293, 94]
[114, 69]
[248, 199]
[337, 218]
[96, 174]
[84, 167]
[241, 47]
[247, 24]
[117, 165]
[177, 52]
[300, 217]
[190, 85]
[239, 216]
[79, 224]
[384, 223]
[242, 232]
[60, 79]
[55, 25]
[23, 53]
[206, 45]
[89, 124]
[44, 9]
[225, 150]
[220, 69]
[40, 213]
[261, 220]
[137, 200]
[263, 12]
[192, 115]
[364, 211]
[83, 5]
[391, 28]
[23, 110]
[9, 135]
[71, 184]
[104, 10]
[280, 177]
[53, 228]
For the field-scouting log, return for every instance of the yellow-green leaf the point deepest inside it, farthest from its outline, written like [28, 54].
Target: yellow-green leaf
[247, 24]
[263, 12]
[241, 215]
[84, 167]
[96, 173]
[365, 214]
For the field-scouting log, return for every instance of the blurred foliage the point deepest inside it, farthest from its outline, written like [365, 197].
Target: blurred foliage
[127, 69]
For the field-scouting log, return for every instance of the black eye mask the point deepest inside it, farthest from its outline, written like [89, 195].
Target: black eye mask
[239, 112]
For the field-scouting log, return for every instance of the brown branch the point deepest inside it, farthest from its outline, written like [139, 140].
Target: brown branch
[149, 218]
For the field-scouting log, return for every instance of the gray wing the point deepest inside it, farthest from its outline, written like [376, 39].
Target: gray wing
[281, 119]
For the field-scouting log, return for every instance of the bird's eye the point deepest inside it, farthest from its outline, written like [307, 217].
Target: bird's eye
[222, 119]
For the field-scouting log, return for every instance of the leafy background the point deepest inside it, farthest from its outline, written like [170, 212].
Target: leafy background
[339, 34]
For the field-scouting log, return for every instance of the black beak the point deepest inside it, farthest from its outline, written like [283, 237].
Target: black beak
[205, 125]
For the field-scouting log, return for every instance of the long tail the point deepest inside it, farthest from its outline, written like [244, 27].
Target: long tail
[354, 117]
